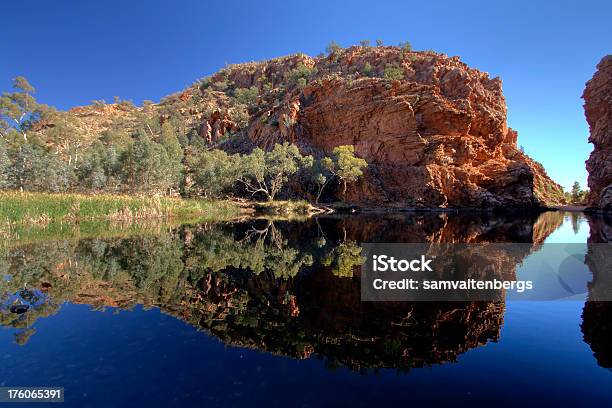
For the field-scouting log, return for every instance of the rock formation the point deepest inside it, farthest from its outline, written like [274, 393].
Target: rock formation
[433, 130]
[597, 312]
[598, 111]
[435, 137]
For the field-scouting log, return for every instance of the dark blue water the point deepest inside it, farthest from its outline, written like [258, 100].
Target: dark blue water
[536, 356]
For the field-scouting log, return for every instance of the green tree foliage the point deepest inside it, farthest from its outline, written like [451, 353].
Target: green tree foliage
[19, 109]
[577, 196]
[65, 137]
[367, 69]
[35, 169]
[333, 48]
[169, 140]
[406, 46]
[267, 172]
[195, 141]
[5, 165]
[365, 43]
[321, 176]
[345, 165]
[125, 104]
[214, 172]
[301, 75]
[247, 96]
[344, 258]
[119, 139]
[94, 170]
[240, 115]
[147, 167]
[221, 85]
[393, 72]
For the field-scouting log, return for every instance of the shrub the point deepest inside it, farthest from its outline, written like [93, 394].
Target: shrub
[221, 86]
[406, 46]
[393, 72]
[247, 96]
[240, 116]
[301, 75]
[333, 48]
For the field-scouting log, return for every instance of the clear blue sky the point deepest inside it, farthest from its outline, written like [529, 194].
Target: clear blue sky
[544, 51]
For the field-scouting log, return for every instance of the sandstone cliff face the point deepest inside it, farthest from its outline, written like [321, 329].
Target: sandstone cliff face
[432, 129]
[437, 137]
[598, 111]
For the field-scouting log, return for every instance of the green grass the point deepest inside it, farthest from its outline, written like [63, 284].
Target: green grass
[283, 208]
[16, 235]
[43, 208]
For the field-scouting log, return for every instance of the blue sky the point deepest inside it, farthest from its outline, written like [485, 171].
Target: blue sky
[74, 52]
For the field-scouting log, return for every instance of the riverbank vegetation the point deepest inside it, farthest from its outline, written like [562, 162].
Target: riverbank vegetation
[45, 150]
[577, 196]
[44, 208]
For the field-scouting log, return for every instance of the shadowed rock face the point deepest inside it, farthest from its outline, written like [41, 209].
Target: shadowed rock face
[597, 315]
[598, 110]
[285, 288]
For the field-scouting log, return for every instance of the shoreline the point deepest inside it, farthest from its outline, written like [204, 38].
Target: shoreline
[40, 209]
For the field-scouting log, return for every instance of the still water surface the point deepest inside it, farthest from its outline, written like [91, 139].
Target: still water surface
[269, 314]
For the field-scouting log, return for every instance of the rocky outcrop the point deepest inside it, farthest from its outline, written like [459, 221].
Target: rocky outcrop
[597, 312]
[433, 130]
[598, 111]
[434, 135]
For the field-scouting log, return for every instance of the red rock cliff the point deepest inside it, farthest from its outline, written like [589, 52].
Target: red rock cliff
[598, 111]
[432, 129]
[436, 136]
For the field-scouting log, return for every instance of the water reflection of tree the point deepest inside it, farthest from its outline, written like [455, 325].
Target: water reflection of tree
[22, 308]
[259, 249]
[576, 218]
[344, 257]
[274, 286]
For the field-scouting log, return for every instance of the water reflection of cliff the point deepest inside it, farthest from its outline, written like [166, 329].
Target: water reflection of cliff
[597, 315]
[286, 288]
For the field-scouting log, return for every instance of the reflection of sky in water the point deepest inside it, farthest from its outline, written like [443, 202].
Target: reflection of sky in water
[147, 358]
[566, 234]
[557, 270]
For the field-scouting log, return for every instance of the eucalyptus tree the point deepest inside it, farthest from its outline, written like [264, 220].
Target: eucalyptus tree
[267, 173]
[5, 164]
[343, 165]
[19, 109]
[214, 172]
[146, 166]
[37, 169]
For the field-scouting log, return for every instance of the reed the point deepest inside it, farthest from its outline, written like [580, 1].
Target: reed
[43, 208]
